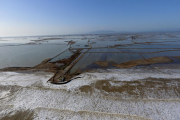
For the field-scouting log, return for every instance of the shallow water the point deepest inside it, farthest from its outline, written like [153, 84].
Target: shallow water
[64, 55]
[169, 53]
[14, 52]
[28, 55]
[124, 50]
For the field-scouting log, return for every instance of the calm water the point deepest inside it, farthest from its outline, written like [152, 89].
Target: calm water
[30, 51]
[121, 48]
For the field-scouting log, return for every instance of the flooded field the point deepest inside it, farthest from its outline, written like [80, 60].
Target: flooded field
[110, 76]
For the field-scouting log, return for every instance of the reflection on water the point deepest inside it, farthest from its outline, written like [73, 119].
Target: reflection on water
[64, 55]
[27, 55]
[127, 49]
[15, 51]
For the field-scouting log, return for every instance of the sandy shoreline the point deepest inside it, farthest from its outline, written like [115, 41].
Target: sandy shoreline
[59, 70]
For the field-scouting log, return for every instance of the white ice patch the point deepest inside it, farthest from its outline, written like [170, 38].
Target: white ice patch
[122, 75]
[35, 79]
[4, 94]
[62, 102]
[23, 79]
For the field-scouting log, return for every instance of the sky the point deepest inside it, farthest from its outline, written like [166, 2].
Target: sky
[58, 17]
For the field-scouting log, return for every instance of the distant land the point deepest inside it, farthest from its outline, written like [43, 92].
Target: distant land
[147, 31]
[106, 32]
[102, 32]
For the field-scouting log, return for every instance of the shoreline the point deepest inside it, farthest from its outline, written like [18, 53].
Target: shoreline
[52, 67]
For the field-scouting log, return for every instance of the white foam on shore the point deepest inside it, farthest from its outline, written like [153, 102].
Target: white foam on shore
[64, 102]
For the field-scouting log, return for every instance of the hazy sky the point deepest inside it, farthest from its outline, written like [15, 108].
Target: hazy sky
[56, 17]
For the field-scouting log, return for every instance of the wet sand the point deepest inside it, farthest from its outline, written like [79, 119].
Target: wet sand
[140, 89]
[19, 115]
[145, 62]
